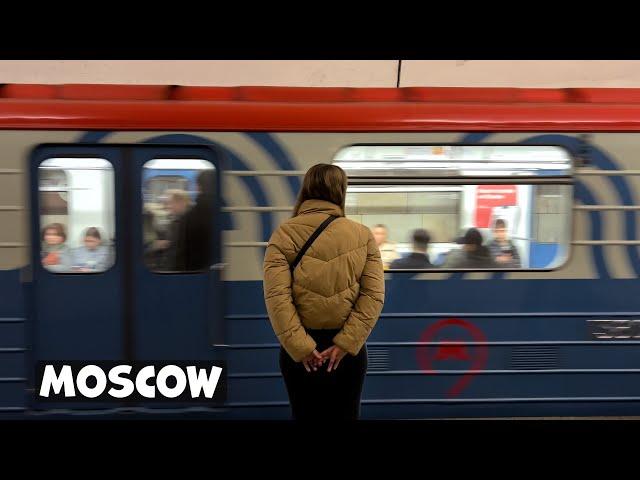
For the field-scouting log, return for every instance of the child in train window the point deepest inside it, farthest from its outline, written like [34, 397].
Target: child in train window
[93, 256]
[55, 253]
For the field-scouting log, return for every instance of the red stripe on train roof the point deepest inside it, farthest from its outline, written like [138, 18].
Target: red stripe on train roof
[166, 107]
[325, 116]
[320, 94]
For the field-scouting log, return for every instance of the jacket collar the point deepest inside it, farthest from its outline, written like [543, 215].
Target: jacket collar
[320, 206]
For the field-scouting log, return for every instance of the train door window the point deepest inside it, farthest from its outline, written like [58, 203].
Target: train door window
[476, 207]
[177, 215]
[77, 215]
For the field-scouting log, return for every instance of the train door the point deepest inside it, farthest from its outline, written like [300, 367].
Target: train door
[109, 282]
[178, 301]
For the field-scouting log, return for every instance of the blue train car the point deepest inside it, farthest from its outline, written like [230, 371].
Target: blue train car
[554, 334]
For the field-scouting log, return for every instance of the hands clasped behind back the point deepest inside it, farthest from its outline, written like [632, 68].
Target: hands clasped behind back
[315, 359]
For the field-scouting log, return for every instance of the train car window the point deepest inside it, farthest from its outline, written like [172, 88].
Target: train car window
[77, 215]
[438, 208]
[178, 196]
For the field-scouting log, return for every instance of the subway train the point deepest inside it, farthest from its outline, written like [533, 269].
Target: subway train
[555, 333]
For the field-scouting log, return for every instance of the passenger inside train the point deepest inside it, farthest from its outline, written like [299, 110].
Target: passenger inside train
[178, 203]
[93, 256]
[387, 249]
[473, 253]
[56, 256]
[502, 249]
[418, 257]
[165, 226]
[193, 243]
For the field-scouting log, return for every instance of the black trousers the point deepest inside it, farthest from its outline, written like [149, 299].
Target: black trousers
[323, 395]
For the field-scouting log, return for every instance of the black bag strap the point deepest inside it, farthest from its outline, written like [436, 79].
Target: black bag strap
[310, 241]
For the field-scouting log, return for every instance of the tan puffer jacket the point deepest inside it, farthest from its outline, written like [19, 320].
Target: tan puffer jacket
[338, 284]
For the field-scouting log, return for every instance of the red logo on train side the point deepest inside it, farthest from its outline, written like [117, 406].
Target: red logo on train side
[452, 346]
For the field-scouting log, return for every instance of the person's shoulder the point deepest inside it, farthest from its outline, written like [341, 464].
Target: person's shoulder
[282, 233]
[357, 229]
[288, 224]
[349, 224]
[352, 223]
[399, 263]
[427, 263]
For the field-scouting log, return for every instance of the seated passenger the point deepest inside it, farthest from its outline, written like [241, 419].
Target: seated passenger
[55, 253]
[93, 256]
[418, 257]
[504, 252]
[472, 255]
[387, 249]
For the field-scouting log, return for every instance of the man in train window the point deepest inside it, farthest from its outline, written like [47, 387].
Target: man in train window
[418, 258]
[502, 249]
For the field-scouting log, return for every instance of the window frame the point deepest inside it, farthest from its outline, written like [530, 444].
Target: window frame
[569, 180]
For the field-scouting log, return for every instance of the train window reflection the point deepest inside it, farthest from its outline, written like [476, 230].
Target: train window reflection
[178, 196]
[77, 215]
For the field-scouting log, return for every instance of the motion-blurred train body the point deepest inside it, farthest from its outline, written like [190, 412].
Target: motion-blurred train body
[556, 332]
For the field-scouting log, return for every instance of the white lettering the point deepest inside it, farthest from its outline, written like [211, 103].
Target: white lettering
[50, 379]
[161, 381]
[98, 374]
[143, 388]
[126, 384]
[199, 381]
